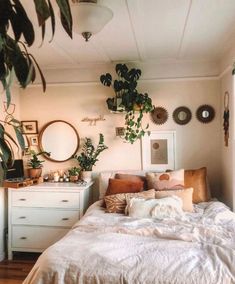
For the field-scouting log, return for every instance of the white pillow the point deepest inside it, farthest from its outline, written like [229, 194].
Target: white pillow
[167, 207]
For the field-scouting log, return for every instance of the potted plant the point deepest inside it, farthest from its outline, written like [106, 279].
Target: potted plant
[35, 164]
[89, 156]
[128, 99]
[74, 174]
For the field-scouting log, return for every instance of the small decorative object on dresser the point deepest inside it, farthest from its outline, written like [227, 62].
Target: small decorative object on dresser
[74, 174]
[89, 156]
[40, 215]
[35, 164]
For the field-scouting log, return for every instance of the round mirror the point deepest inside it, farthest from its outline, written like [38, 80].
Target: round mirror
[182, 115]
[205, 113]
[159, 115]
[60, 139]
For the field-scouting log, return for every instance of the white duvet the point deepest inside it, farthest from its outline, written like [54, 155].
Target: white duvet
[112, 248]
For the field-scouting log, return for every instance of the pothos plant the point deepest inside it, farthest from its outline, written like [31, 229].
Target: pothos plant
[128, 99]
[15, 58]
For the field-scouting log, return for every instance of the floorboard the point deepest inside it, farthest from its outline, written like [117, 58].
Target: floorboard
[16, 270]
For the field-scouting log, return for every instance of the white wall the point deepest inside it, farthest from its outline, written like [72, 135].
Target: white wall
[197, 144]
[3, 199]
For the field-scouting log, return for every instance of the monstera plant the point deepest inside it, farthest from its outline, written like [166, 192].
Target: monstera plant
[15, 58]
[128, 99]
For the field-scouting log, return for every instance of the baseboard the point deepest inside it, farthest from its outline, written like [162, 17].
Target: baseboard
[2, 255]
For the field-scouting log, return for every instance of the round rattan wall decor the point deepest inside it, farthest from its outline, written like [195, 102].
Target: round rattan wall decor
[182, 115]
[159, 115]
[205, 113]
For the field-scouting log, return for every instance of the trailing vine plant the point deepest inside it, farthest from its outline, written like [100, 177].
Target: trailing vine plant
[15, 60]
[128, 99]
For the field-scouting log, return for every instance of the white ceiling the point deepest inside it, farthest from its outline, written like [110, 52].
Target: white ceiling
[146, 31]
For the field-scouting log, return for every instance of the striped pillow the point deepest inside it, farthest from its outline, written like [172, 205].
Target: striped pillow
[116, 203]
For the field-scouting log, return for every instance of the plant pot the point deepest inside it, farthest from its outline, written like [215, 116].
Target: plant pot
[35, 173]
[73, 178]
[86, 176]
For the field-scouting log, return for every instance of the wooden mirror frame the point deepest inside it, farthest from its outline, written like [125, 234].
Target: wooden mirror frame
[176, 115]
[40, 140]
[207, 108]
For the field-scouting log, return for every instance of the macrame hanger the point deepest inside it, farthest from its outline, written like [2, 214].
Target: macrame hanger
[226, 118]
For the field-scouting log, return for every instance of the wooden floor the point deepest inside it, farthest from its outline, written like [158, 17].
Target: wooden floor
[15, 271]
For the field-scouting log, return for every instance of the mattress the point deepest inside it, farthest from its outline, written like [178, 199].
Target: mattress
[103, 248]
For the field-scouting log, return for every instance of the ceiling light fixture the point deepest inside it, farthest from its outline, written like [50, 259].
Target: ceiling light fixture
[89, 18]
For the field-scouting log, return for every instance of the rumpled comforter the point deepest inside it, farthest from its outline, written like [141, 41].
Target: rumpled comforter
[103, 248]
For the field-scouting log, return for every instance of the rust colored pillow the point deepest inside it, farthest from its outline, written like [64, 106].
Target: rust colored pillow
[134, 178]
[197, 180]
[123, 186]
[117, 203]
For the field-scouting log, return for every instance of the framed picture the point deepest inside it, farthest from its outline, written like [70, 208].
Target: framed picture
[120, 131]
[158, 151]
[29, 126]
[34, 141]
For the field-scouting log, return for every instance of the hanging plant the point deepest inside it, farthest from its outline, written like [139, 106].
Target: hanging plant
[128, 99]
[15, 58]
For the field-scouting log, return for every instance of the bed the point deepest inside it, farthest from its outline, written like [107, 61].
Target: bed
[113, 248]
[191, 248]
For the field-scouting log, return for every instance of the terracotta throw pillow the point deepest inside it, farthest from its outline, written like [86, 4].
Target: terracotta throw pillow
[124, 186]
[132, 178]
[168, 180]
[185, 194]
[117, 203]
[197, 180]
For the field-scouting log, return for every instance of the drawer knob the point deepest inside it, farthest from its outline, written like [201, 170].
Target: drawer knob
[22, 199]
[65, 200]
[23, 238]
[65, 219]
[22, 217]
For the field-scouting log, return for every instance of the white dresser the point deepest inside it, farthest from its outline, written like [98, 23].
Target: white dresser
[40, 215]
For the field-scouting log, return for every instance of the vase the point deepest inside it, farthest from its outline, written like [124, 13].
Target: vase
[86, 176]
[73, 178]
[35, 173]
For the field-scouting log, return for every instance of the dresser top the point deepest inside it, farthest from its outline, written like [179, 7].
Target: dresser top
[57, 186]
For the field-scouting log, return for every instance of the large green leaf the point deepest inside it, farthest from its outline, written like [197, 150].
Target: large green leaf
[42, 10]
[66, 16]
[40, 72]
[52, 19]
[20, 137]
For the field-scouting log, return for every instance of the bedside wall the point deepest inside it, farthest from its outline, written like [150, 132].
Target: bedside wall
[197, 144]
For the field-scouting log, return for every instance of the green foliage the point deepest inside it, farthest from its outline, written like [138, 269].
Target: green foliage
[89, 155]
[233, 71]
[133, 102]
[14, 56]
[34, 162]
[6, 140]
[75, 171]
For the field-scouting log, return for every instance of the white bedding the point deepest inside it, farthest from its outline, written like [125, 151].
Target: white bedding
[112, 248]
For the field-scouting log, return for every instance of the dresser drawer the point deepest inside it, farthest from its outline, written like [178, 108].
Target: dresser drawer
[45, 199]
[35, 237]
[44, 217]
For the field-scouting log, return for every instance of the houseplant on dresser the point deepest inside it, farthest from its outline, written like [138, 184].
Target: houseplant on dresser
[89, 156]
[35, 164]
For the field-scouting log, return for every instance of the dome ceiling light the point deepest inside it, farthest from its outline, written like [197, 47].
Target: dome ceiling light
[89, 17]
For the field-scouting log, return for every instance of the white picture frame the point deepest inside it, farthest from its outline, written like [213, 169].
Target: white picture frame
[158, 151]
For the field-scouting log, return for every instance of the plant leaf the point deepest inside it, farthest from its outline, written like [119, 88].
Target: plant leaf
[66, 16]
[42, 10]
[40, 72]
[52, 19]
[106, 79]
[25, 23]
[20, 137]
